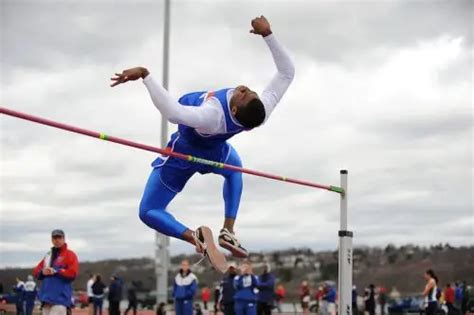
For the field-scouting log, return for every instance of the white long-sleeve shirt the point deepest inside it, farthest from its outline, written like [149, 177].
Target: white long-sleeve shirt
[209, 118]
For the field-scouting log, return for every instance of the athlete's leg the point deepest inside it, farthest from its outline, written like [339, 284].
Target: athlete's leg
[232, 190]
[179, 309]
[153, 209]
[251, 309]
[188, 307]
[239, 307]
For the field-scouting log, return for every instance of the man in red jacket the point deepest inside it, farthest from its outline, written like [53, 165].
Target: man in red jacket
[57, 270]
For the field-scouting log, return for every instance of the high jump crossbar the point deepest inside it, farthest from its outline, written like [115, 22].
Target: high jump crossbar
[166, 152]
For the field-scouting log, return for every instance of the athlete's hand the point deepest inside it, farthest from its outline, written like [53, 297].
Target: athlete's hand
[48, 271]
[260, 26]
[129, 75]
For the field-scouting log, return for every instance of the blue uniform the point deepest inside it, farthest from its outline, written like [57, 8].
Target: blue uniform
[184, 288]
[169, 175]
[19, 290]
[245, 295]
[30, 296]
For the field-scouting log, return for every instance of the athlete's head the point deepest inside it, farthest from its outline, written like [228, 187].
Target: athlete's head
[267, 268]
[247, 108]
[185, 265]
[58, 238]
[246, 268]
[430, 274]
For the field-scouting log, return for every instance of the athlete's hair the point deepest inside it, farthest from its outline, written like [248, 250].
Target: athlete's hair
[431, 273]
[252, 114]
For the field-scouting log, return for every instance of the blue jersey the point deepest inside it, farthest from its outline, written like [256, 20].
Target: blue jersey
[246, 288]
[185, 286]
[266, 287]
[192, 136]
[188, 140]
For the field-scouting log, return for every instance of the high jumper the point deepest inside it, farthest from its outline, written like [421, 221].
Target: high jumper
[206, 120]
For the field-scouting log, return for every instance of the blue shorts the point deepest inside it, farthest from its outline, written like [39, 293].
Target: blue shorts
[176, 172]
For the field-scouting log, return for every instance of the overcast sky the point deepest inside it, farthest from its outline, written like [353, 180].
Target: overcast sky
[382, 88]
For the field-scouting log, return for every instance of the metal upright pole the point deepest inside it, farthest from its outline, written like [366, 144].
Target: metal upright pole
[166, 46]
[345, 255]
[162, 241]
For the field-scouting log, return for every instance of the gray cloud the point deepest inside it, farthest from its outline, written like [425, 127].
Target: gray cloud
[383, 89]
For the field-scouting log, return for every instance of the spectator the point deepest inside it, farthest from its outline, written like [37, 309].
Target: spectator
[132, 299]
[57, 270]
[197, 309]
[115, 295]
[205, 296]
[465, 297]
[330, 297]
[245, 296]
[382, 299]
[161, 309]
[185, 285]
[227, 291]
[458, 295]
[449, 299]
[305, 296]
[395, 295]
[320, 302]
[431, 302]
[280, 296]
[266, 293]
[354, 300]
[217, 296]
[90, 295]
[98, 289]
[369, 298]
[470, 301]
[19, 290]
[30, 295]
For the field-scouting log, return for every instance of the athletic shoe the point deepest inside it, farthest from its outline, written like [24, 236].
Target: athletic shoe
[205, 245]
[199, 242]
[228, 241]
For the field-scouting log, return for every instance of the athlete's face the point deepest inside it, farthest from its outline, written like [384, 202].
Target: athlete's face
[242, 95]
[245, 268]
[58, 241]
[185, 265]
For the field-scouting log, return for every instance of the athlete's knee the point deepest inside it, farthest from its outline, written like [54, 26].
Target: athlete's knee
[142, 213]
[234, 158]
[142, 210]
[155, 202]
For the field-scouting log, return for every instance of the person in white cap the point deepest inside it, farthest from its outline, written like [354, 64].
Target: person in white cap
[30, 295]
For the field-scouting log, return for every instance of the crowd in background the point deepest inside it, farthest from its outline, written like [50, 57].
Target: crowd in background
[454, 298]
[240, 292]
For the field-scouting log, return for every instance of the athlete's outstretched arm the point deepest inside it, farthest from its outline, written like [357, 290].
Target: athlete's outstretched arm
[204, 117]
[285, 68]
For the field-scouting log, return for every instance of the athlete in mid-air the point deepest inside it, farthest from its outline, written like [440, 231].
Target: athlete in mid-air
[205, 121]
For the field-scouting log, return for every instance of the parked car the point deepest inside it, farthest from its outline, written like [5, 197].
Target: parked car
[412, 305]
[408, 305]
[8, 298]
[147, 300]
